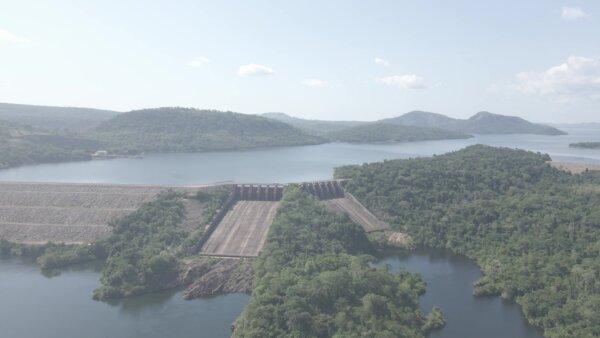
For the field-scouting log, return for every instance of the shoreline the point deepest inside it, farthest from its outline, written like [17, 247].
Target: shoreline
[574, 167]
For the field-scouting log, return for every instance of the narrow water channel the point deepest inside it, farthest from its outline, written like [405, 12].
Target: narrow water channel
[449, 279]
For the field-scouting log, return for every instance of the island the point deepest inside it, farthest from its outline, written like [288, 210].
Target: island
[585, 145]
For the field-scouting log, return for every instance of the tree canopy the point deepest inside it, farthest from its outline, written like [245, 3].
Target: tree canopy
[533, 229]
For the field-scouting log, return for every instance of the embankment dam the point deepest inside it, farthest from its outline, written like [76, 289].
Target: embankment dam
[36, 213]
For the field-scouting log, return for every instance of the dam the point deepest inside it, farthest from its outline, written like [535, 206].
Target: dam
[73, 213]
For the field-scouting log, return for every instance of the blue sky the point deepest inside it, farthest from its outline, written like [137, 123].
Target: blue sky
[361, 60]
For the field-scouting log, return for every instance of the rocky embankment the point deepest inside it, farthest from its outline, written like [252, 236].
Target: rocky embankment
[209, 276]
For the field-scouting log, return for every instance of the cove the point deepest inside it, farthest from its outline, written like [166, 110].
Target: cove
[449, 279]
[60, 305]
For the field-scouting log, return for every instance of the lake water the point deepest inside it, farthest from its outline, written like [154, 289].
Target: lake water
[35, 305]
[285, 164]
[449, 279]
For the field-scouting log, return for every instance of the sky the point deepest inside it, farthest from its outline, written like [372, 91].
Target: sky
[350, 60]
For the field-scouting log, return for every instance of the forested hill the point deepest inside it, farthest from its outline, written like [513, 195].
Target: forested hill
[383, 132]
[480, 123]
[22, 144]
[314, 127]
[587, 145]
[189, 130]
[314, 278]
[533, 229]
[48, 117]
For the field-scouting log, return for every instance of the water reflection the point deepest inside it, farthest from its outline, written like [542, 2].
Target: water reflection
[450, 279]
[63, 308]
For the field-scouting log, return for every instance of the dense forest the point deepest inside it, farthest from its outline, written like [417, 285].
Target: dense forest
[313, 279]
[588, 145]
[192, 130]
[480, 123]
[22, 145]
[383, 132]
[313, 127]
[533, 229]
[151, 130]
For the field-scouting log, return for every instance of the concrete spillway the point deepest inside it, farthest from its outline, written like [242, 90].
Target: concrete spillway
[81, 213]
[243, 230]
[357, 212]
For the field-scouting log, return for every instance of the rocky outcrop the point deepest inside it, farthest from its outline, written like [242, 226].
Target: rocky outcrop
[210, 276]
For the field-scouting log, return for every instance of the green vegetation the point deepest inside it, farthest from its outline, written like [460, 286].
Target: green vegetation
[313, 280]
[533, 229]
[480, 123]
[143, 252]
[587, 145]
[54, 118]
[150, 130]
[313, 127]
[191, 130]
[22, 145]
[383, 132]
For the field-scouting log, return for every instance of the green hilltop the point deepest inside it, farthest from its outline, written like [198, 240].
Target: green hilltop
[193, 130]
[383, 132]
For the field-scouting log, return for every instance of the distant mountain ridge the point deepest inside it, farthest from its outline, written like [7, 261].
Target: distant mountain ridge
[315, 127]
[23, 144]
[480, 123]
[48, 117]
[378, 132]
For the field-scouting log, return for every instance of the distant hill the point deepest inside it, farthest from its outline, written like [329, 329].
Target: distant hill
[314, 127]
[386, 132]
[54, 117]
[191, 130]
[22, 145]
[480, 123]
[586, 145]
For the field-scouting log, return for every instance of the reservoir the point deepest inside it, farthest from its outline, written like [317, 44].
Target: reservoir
[449, 279]
[60, 305]
[284, 164]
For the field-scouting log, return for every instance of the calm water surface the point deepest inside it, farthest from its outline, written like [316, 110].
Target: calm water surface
[35, 305]
[285, 164]
[61, 306]
[449, 279]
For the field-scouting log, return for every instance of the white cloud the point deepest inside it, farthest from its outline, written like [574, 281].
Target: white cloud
[314, 83]
[255, 70]
[406, 81]
[572, 13]
[381, 62]
[577, 77]
[10, 37]
[198, 61]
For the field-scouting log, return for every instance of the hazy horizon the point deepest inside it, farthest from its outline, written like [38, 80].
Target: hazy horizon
[337, 60]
